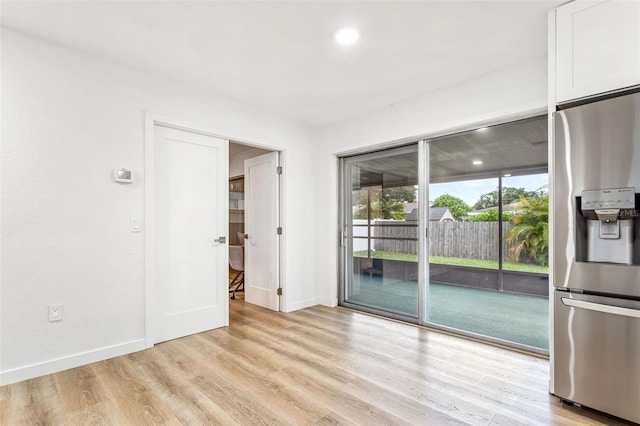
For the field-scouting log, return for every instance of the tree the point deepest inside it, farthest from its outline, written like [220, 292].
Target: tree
[402, 194]
[491, 215]
[458, 208]
[509, 195]
[530, 234]
[390, 208]
[385, 204]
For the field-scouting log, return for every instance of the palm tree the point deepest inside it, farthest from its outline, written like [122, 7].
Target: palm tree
[530, 234]
[383, 204]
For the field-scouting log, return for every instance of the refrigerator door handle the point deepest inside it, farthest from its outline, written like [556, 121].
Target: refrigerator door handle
[608, 309]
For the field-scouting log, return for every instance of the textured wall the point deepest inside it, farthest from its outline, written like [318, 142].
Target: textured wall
[68, 119]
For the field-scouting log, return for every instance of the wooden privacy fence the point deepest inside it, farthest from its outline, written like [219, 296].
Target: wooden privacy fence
[470, 240]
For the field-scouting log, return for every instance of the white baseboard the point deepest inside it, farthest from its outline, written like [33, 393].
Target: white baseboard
[295, 306]
[55, 365]
[328, 301]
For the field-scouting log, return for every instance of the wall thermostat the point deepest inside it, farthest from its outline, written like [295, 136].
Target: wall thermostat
[123, 175]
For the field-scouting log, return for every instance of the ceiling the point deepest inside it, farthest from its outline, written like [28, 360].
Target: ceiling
[509, 149]
[280, 55]
[515, 148]
[236, 148]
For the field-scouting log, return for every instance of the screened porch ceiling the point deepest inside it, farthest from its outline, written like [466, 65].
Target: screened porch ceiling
[517, 148]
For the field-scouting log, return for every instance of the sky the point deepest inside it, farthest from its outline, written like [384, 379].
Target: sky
[471, 190]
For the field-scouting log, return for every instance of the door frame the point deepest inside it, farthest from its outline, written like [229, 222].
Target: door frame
[150, 121]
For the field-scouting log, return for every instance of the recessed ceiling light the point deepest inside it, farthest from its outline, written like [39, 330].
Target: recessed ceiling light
[476, 162]
[507, 175]
[346, 36]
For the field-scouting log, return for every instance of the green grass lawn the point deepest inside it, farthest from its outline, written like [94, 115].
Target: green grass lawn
[457, 261]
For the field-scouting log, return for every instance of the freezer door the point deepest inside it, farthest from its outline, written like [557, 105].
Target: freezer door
[597, 353]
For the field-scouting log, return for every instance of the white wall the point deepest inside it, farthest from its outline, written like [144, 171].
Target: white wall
[504, 95]
[68, 120]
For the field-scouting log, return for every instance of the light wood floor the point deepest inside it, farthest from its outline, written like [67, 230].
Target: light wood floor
[317, 366]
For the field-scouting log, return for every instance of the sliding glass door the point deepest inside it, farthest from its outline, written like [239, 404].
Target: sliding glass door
[452, 232]
[380, 232]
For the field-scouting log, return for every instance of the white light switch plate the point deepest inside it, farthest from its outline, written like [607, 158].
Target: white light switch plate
[136, 224]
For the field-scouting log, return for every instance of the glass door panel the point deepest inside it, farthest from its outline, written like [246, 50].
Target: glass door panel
[463, 254]
[525, 254]
[380, 231]
[487, 276]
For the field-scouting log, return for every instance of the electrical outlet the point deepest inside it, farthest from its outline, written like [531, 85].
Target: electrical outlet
[55, 312]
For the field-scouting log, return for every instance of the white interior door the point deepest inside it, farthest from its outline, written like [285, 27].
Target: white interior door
[261, 186]
[190, 214]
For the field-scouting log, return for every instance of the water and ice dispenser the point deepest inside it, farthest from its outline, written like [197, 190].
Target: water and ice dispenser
[607, 224]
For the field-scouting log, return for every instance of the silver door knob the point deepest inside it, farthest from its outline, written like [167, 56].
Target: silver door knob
[220, 240]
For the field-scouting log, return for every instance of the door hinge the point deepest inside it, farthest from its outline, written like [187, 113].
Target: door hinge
[279, 291]
[279, 170]
[279, 230]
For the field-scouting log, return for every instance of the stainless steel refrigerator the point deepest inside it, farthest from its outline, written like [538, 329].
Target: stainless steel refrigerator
[596, 255]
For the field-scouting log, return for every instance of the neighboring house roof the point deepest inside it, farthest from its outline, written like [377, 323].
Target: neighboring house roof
[438, 213]
[409, 207]
[435, 214]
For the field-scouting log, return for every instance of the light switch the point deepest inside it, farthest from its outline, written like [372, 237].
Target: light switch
[136, 225]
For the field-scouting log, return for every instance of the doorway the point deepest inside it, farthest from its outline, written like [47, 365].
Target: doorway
[186, 230]
[254, 224]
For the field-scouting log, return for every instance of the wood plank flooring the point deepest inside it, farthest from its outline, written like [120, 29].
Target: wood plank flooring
[318, 366]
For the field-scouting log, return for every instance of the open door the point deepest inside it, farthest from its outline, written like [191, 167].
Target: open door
[189, 226]
[261, 180]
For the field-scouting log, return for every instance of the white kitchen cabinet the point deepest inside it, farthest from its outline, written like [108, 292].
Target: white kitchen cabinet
[597, 47]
